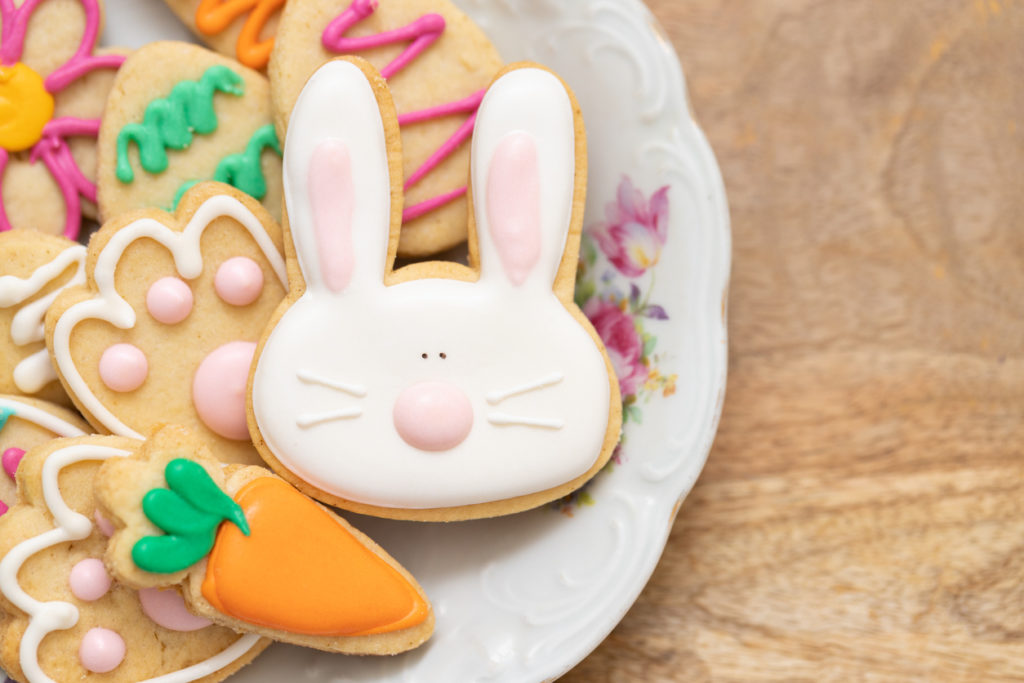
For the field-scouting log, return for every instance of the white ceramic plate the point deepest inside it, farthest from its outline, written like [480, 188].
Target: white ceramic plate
[525, 598]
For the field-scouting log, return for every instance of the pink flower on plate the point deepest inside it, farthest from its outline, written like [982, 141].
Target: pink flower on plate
[50, 104]
[625, 347]
[635, 229]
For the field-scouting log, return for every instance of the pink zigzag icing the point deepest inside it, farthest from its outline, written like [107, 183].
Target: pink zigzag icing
[422, 33]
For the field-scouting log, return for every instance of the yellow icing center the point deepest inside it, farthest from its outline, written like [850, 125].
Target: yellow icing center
[25, 107]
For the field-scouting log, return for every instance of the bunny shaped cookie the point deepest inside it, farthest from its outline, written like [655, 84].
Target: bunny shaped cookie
[435, 392]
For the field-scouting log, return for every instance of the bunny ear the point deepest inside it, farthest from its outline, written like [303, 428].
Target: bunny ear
[342, 197]
[525, 163]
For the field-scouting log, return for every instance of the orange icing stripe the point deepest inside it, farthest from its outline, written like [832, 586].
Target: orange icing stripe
[301, 571]
[214, 16]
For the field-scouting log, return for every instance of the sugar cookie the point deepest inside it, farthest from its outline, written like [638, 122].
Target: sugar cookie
[165, 328]
[24, 424]
[437, 62]
[34, 269]
[254, 554]
[435, 392]
[54, 83]
[67, 618]
[243, 29]
[180, 114]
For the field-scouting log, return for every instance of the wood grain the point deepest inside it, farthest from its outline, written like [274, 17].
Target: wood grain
[861, 516]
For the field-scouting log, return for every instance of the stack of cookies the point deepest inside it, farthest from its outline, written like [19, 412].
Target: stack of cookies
[187, 396]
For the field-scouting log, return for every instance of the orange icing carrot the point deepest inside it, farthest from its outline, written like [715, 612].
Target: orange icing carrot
[214, 16]
[301, 571]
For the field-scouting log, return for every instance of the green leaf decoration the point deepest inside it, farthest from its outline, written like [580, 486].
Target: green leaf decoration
[191, 482]
[189, 512]
[175, 515]
[169, 554]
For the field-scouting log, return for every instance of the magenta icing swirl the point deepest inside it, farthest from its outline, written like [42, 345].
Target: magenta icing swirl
[53, 148]
[420, 34]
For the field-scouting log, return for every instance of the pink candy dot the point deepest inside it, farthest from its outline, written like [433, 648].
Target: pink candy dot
[123, 367]
[89, 580]
[11, 459]
[167, 608]
[103, 524]
[218, 389]
[101, 650]
[239, 281]
[169, 300]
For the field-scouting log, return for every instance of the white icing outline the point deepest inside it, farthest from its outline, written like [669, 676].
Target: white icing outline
[506, 420]
[35, 371]
[357, 390]
[496, 397]
[307, 420]
[39, 417]
[56, 615]
[109, 306]
[206, 667]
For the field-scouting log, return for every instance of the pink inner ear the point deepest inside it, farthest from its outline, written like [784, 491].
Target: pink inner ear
[332, 197]
[513, 204]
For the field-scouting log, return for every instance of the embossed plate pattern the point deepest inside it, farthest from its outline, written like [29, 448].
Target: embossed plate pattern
[525, 598]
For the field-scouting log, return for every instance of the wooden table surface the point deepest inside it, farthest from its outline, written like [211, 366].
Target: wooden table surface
[861, 516]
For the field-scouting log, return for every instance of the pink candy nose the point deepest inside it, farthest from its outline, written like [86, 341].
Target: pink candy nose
[433, 416]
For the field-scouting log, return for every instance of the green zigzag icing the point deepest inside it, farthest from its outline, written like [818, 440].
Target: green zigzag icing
[170, 122]
[189, 512]
[243, 170]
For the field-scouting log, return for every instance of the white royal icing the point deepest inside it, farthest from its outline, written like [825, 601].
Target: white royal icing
[39, 417]
[326, 383]
[56, 615]
[110, 306]
[36, 371]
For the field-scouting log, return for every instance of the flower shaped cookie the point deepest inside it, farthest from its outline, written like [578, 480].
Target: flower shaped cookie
[51, 95]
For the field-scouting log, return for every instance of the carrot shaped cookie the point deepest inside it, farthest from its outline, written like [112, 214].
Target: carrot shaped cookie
[251, 552]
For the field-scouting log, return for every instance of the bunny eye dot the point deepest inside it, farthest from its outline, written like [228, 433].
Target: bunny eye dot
[239, 281]
[169, 300]
[443, 355]
[424, 356]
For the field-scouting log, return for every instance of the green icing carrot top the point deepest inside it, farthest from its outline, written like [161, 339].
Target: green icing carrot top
[189, 512]
[170, 122]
